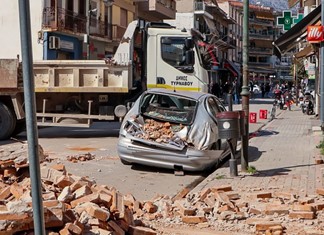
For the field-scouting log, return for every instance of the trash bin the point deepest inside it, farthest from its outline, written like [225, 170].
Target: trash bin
[253, 117]
[263, 114]
[228, 124]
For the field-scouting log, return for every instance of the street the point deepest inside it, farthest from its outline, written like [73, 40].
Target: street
[100, 140]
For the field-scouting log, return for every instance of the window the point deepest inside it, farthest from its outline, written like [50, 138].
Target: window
[168, 108]
[173, 52]
[123, 17]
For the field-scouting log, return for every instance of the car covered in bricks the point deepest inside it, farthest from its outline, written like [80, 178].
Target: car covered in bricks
[174, 130]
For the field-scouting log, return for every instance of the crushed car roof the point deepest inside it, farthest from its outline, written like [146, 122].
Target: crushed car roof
[188, 94]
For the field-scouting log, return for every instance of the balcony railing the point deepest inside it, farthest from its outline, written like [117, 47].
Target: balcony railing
[64, 20]
[118, 32]
[260, 50]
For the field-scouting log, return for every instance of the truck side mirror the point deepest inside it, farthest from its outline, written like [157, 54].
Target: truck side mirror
[189, 43]
[190, 58]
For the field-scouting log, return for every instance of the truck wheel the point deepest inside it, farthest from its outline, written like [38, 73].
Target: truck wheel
[7, 122]
[20, 127]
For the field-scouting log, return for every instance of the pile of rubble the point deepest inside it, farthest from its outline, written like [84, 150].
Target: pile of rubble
[77, 205]
[80, 157]
[254, 212]
[72, 205]
[160, 132]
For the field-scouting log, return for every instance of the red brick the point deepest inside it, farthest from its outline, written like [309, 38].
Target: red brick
[194, 219]
[59, 167]
[5, 193]
[305, 207]
[263, 195]
[16, 190]
[74, 229]
[116, 228]
[301, 215]
[94, 197]
[183, 209]
[181, 194]
[279, 209]
[320, 191]
[139, 230]
[204, 193]
[223, 188]
[9, 172]
[99, 213]
[318, 205]
[262, 226]
[150, 207]
[254, 211]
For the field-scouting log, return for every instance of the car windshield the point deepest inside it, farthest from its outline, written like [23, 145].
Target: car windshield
[168, 108]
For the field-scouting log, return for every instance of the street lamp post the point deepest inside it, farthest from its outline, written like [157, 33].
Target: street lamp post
[245, 88]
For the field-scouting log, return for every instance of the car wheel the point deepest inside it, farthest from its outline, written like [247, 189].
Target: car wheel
[125, 162]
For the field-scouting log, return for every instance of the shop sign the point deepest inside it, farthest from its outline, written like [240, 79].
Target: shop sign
[66, 45]
[314, 34]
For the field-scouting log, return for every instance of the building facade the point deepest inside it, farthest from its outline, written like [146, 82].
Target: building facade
[212, 24]
[77, 29]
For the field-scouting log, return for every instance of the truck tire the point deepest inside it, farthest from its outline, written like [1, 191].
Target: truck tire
[7, 122]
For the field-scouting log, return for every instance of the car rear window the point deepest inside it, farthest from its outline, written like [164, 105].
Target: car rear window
[168, 108]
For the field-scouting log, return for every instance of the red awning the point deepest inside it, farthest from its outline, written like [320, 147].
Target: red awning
[231, 68]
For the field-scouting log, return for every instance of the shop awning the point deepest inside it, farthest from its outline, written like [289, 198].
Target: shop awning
[232, 68]
[264, 15]
[307, 51]
[211, 25]
[288, 40]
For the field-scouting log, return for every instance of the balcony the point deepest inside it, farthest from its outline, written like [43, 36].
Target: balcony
[118, 32]
[258, 50]
[256, 35]
[202, 8]
[160, 9]
[70, 22]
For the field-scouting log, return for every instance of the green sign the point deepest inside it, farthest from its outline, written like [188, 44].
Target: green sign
[288, 20]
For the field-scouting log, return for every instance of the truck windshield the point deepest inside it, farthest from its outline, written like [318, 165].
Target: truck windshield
[174, 53]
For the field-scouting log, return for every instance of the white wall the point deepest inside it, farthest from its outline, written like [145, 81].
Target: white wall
[183, 20]
[10, 30]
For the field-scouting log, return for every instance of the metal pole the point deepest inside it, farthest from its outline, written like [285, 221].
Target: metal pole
[230, 101]
[322, 74]
[88, 28]
[30, 104]
[245, 88]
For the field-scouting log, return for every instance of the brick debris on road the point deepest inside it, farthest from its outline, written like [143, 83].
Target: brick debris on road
[283, 195]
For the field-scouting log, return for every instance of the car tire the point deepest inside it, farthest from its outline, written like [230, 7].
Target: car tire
[125, 162]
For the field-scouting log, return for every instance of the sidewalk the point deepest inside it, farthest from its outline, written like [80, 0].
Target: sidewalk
[283, 152]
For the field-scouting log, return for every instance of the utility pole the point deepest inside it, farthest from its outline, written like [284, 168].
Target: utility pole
[245, 87]
[88, 9]
[30, 109]
[322, 74]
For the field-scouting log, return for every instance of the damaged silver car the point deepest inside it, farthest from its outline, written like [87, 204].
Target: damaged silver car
[174, 130]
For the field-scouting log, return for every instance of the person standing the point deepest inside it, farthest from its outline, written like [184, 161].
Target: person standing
[236, 92]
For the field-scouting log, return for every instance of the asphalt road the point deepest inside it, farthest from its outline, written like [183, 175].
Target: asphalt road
[143, 182]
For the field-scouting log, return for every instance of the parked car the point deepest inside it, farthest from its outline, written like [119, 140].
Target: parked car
[174, 130]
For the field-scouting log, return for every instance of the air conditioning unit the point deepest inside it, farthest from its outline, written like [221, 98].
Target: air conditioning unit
[54, 42]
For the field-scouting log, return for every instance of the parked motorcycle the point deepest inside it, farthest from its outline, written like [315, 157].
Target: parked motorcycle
[308, 106]
[288, 99]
